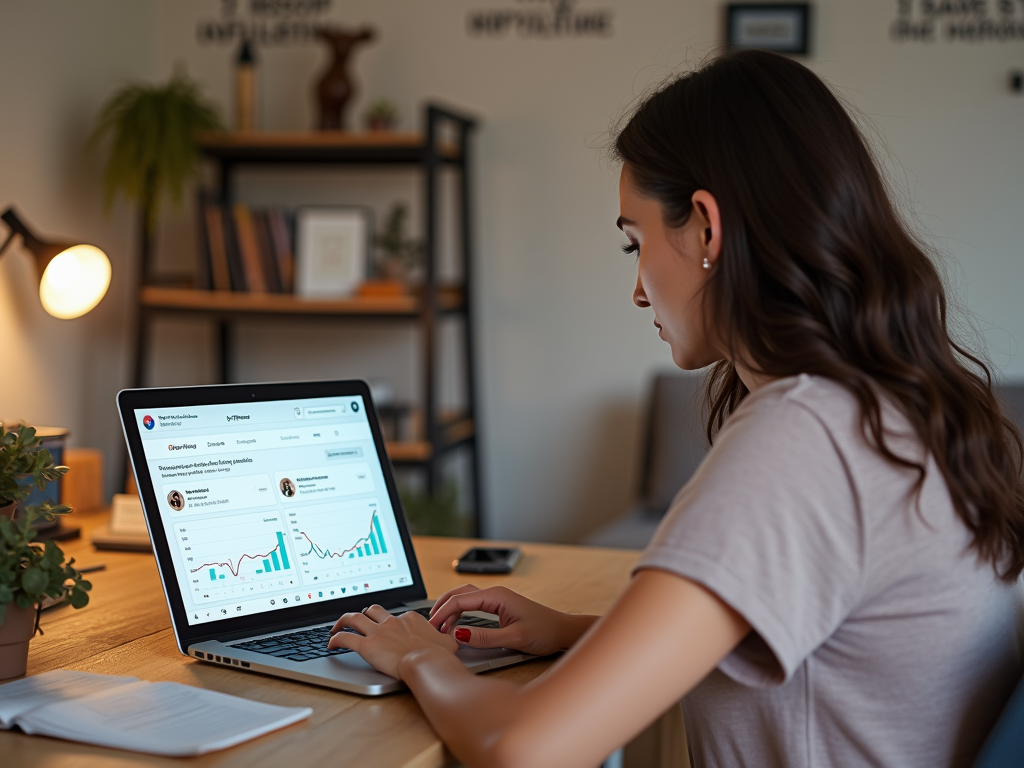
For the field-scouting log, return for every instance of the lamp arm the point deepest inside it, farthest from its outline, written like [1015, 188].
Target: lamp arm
[10, 218]
[7, 242]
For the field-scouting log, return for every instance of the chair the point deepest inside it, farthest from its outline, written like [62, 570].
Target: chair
[1011, 397]
[673, 447]
[1004, 747]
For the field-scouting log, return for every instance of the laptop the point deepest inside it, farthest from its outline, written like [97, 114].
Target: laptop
[273, 510]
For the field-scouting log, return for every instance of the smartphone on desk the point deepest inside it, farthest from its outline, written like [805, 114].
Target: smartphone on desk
[488, 560]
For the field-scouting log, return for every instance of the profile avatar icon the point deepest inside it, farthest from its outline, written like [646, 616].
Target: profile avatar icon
[176, 500]
[148, 421]
[287, 487]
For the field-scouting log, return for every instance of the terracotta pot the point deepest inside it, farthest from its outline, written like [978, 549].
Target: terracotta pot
[8, 511]
[16, 631]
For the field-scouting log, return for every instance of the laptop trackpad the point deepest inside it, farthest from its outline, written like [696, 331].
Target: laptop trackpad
[475, 658]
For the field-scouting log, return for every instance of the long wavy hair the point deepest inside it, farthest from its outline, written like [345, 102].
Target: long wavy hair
[818, 274]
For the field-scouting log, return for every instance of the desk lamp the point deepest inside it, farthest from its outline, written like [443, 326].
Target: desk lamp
[73, 277]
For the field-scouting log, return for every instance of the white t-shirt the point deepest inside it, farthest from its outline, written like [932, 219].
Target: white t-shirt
[879, 638]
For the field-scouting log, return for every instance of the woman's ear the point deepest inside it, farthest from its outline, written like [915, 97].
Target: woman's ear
[705, 209]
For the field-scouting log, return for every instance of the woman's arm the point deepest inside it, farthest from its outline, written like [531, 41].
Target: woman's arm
[662, 636]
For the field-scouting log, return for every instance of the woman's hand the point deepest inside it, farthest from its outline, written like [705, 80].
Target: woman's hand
[385, 640]
[525, 625]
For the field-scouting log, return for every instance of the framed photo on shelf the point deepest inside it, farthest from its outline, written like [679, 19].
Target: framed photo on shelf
[780, 27]
[332, 250]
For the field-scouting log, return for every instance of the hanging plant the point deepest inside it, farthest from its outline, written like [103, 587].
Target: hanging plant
[152, 131]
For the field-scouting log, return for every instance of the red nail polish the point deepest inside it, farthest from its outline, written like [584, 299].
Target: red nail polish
[462, 635]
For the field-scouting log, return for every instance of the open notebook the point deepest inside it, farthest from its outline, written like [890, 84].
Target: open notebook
[128, 713]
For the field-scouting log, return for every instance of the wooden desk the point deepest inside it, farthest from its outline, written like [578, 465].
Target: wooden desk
[126, 630]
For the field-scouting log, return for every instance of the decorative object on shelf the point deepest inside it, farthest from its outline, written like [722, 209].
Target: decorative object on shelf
[153, 149]
[245, 88]
[82, 487]
[29, 572]
[382, 115]
[781, 27]
[399, 257]
[335, 88]
[73, 278]
[332, 250]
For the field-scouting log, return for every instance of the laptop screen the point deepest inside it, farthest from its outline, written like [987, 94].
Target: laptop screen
[273, 504]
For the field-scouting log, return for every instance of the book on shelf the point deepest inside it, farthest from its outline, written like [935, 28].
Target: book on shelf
[245, 249]
[248, 247]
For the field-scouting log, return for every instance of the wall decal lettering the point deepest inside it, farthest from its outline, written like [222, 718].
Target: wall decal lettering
[264, 22]
[541, 18]
[958, 21]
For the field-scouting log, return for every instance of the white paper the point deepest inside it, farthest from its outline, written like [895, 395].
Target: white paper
[126, 517]
[29, 693]
[157, 718]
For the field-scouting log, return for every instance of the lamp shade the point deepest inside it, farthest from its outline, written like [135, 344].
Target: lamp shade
[73, 277]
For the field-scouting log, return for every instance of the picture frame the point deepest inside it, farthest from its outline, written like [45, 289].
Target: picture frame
[779, 27]
[333, 250]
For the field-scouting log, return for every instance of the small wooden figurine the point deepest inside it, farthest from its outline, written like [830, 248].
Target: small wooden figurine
[335, 88]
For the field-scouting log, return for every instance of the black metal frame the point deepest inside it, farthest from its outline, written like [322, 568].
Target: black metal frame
[429, 156]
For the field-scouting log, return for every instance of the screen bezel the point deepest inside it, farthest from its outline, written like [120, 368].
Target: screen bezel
[130, 400]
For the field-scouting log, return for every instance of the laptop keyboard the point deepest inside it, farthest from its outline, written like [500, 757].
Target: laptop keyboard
[306, 644]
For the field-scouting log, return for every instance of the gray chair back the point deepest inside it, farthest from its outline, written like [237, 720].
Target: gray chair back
[1005, 744]
[675, 443]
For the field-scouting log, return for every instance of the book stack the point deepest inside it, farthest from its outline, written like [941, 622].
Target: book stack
[245, 249]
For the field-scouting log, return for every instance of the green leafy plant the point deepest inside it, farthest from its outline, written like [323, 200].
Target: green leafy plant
[393, 243]
[153, 146]
[22, 457]
[381, 115]
[31, 572]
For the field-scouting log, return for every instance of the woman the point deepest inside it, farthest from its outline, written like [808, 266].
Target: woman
[838, 583]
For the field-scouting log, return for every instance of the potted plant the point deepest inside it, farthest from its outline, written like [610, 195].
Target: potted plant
[382, 116]
[29, 572]
[400, 257]
[154, 148]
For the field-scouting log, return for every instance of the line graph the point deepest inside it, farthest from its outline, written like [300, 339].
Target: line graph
[234, 555]
[374, 539]
[234, 567]
[338, 540]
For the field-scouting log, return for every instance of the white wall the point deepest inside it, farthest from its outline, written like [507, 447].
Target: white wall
[60, 60]
[564, 357]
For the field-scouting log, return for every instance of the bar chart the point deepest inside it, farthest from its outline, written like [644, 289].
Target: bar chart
[339, 541]
[374, 539]
[234, 556]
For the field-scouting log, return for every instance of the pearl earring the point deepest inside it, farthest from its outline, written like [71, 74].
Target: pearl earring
[707, 264]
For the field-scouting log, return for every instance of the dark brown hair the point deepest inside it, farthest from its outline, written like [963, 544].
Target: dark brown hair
[818, 274]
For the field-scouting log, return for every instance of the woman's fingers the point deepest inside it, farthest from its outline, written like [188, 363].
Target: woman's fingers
[377, 613]
[482, 637]
[342, 639]
[349, 640]
[457, 591]
[489, 600]
[356, 621]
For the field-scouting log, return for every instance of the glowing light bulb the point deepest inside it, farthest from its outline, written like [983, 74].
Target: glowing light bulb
[74, 281]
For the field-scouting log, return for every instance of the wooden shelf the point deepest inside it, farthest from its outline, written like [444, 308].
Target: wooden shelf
[409, 452]
[456, 429]
[322, 146]
[228, 302]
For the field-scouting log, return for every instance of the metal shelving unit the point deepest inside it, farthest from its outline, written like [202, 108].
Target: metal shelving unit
[429, 152]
